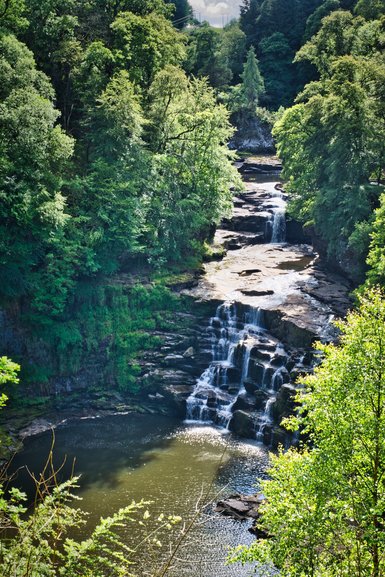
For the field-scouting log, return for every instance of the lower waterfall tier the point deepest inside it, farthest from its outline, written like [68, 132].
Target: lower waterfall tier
[250, 373]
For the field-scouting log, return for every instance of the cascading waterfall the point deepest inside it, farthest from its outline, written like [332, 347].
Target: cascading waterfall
[222, 382]
[279, 218]
[244, 360]
[244, 383]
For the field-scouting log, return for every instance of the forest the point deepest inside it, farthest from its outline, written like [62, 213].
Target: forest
[117, 124]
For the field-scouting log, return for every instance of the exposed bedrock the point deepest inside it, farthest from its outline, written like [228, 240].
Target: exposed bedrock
[276, 299]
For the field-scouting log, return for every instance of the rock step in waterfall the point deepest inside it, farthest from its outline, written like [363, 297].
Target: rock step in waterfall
[248, 368]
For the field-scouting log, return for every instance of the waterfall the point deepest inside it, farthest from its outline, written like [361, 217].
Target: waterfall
[220, 385]
[264, 420]
[242, 387]
[279, 226]
[279, 218]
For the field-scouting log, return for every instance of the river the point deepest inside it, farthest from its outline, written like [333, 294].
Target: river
[125, 458]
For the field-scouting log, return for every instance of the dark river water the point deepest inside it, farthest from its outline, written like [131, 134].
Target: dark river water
[130, 457]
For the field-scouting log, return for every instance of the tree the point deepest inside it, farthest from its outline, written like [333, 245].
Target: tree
[249, 12]
[183, 13]
[252, 81]
[314, 22]
[146, 44]
[33, 156]
[325, 502]
[376, 256]
[189, 188]
[370, 9]
[331, 141]
[205, 57]
[12, 16]
[277, 69]
[233, 49]
[8, 374]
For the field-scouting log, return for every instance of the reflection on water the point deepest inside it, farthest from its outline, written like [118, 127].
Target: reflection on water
[127, 458]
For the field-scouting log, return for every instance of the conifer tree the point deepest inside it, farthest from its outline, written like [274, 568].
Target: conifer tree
[253, 85]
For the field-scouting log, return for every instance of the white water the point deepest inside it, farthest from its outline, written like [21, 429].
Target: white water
[279, 218]
[237, 344]
[231, 341]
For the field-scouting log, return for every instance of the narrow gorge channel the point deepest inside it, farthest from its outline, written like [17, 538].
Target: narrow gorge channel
[270, 299]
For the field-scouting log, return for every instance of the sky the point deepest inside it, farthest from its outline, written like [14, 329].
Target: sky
[217, 12]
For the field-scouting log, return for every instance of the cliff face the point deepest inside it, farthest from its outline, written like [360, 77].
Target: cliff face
[100, 344]
[252, 134]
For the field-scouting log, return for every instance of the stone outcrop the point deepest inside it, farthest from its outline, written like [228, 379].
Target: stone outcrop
[252, 134]
[243, 508]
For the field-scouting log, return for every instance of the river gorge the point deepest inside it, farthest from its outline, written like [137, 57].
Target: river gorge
[268, 298]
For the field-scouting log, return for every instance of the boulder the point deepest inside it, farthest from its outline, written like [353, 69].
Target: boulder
[256, 371]
[284, 404]
[189, 353]
[278, 360]
[260, 399]
[244, 402]
[243, 424]
[259, 353]
[279, 437]
[241, 507]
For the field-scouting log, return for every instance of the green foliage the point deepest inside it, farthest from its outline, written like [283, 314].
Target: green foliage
[314, 21]
[191, 168]
[205, 57]
[146, 44]
[370, 9]
[182, 14]
[139, 180]
[275, 28]
[233, 49]
[325, 502]
[12, 16]
[8, 374]
[250, 10]
[376, 256]
[33, 155]
[276, 67]
[252, 81]
[332, 140]
[110, 325]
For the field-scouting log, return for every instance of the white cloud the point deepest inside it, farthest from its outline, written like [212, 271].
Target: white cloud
[216, 12]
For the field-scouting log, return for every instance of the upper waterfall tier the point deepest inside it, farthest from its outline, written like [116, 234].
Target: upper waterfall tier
[262, 272]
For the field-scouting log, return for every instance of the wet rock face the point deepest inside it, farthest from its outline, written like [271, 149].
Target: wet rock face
[243, 424]
[252, 135]
[275, 305]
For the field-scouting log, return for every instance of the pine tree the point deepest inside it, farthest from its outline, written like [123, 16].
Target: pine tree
[253, 85]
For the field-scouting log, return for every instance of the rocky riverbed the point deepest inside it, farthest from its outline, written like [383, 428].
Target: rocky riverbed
[273, 298]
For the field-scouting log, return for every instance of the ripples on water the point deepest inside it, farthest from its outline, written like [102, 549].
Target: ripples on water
[127, 458]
